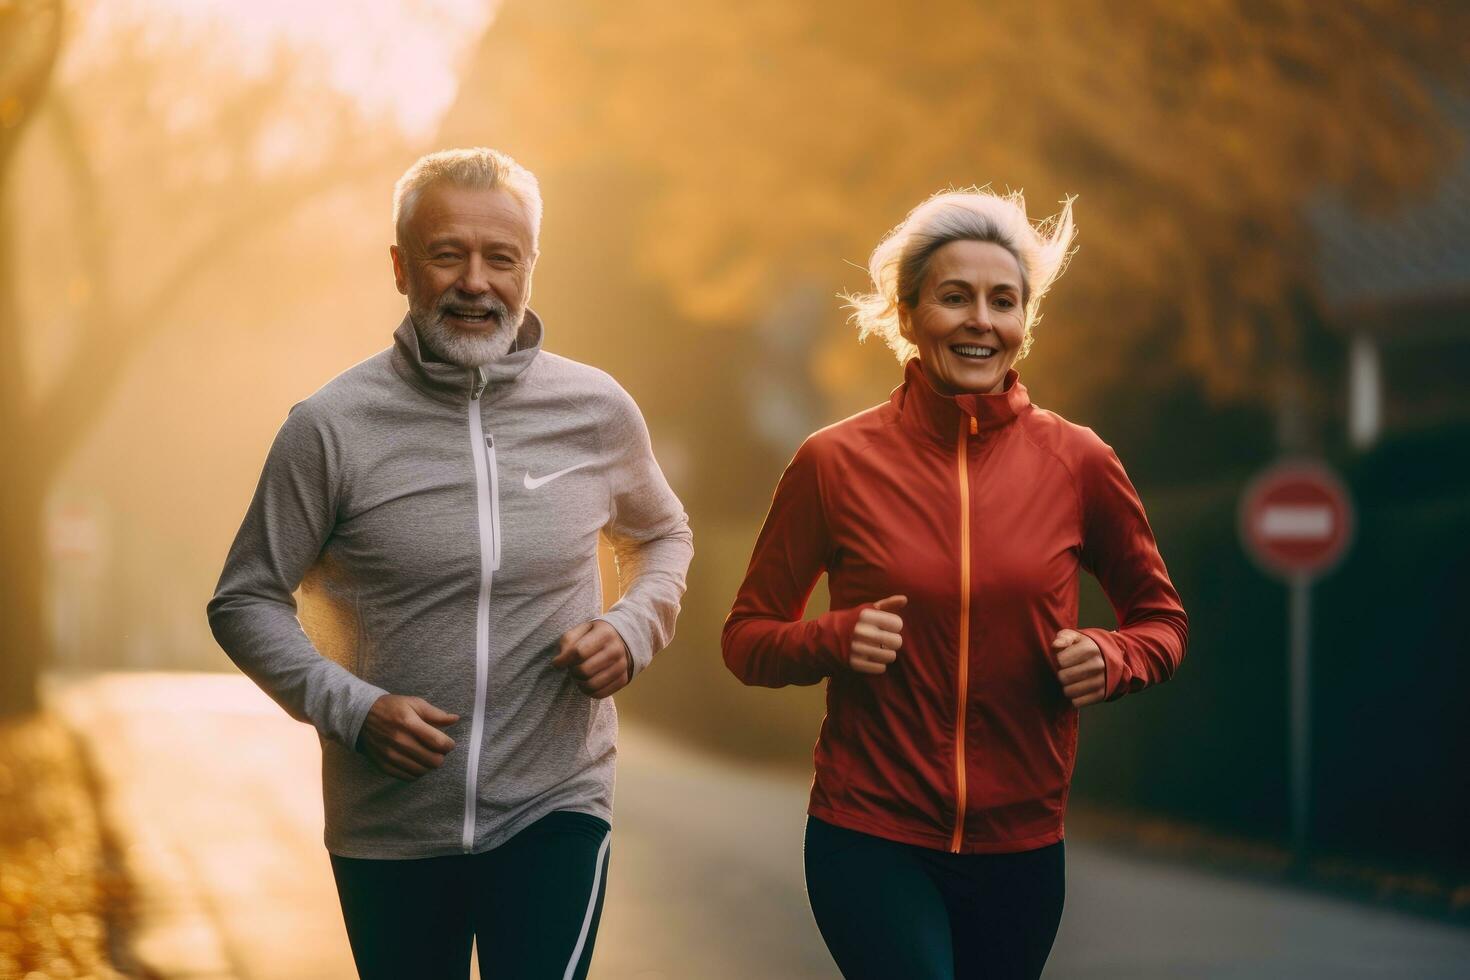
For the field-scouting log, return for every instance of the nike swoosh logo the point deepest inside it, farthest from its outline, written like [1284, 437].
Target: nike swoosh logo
[537, 481]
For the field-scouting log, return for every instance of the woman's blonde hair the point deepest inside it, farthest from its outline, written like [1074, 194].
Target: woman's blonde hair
[898, 264]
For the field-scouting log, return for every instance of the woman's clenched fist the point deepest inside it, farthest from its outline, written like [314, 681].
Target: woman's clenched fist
[877, 637]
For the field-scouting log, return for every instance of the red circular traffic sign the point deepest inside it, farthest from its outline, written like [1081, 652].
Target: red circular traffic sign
[1296, 519]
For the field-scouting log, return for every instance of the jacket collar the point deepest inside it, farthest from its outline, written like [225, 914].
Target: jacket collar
[457, 385]
[927, 413]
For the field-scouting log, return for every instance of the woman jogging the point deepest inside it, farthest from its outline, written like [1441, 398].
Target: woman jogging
[952, 521]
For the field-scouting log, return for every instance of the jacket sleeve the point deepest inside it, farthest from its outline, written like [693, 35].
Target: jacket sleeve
[650, 536]
[765, 640]
[253, 611]
[1118, 548]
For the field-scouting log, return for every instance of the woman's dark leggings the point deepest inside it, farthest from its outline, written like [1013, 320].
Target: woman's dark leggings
[891, 910]
[533, 904]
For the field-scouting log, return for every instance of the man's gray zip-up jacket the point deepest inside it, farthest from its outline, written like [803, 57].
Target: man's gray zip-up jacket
[442, 524]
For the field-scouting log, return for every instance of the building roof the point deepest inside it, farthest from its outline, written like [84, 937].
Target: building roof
[1416, 251]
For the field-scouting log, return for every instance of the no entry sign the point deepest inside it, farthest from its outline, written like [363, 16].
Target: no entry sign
[1296, 519]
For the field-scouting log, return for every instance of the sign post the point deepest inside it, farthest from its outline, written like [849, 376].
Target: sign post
[1296, 521]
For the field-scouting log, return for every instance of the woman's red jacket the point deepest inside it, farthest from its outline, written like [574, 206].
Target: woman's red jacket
[980, 509]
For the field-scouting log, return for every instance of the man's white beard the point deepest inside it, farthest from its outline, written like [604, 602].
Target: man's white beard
[467, 348]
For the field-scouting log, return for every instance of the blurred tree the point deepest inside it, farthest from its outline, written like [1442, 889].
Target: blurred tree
[776, 139]
[30, 42]
[167, 182]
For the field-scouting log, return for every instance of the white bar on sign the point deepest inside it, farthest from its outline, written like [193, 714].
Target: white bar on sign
[1305, 522]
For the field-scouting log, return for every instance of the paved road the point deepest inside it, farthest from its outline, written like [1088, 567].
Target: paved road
[215, 796]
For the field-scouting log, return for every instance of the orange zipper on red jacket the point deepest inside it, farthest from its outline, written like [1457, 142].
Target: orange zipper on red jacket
[963, 685]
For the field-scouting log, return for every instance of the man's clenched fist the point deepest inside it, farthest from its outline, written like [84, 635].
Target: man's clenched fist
[596, 657]
[401, 736]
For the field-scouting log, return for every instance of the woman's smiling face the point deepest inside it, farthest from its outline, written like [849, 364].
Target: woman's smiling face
[969, 320]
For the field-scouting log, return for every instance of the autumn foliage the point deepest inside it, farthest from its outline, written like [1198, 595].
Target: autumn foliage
[774, 140]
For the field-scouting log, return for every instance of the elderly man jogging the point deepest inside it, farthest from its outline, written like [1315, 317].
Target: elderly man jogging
[440, 503]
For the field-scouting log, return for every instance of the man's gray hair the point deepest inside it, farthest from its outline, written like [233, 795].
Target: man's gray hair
[476, 168]
[899, 263]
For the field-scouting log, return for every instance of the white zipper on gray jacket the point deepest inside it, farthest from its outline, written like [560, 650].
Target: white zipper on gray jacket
[488, 502]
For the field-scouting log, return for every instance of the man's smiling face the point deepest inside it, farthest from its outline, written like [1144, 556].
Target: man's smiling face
[464, 260]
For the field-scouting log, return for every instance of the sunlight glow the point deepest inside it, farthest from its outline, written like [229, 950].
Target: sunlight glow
[401, 58]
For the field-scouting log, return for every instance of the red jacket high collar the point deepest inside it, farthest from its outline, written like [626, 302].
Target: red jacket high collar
[926, 413]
